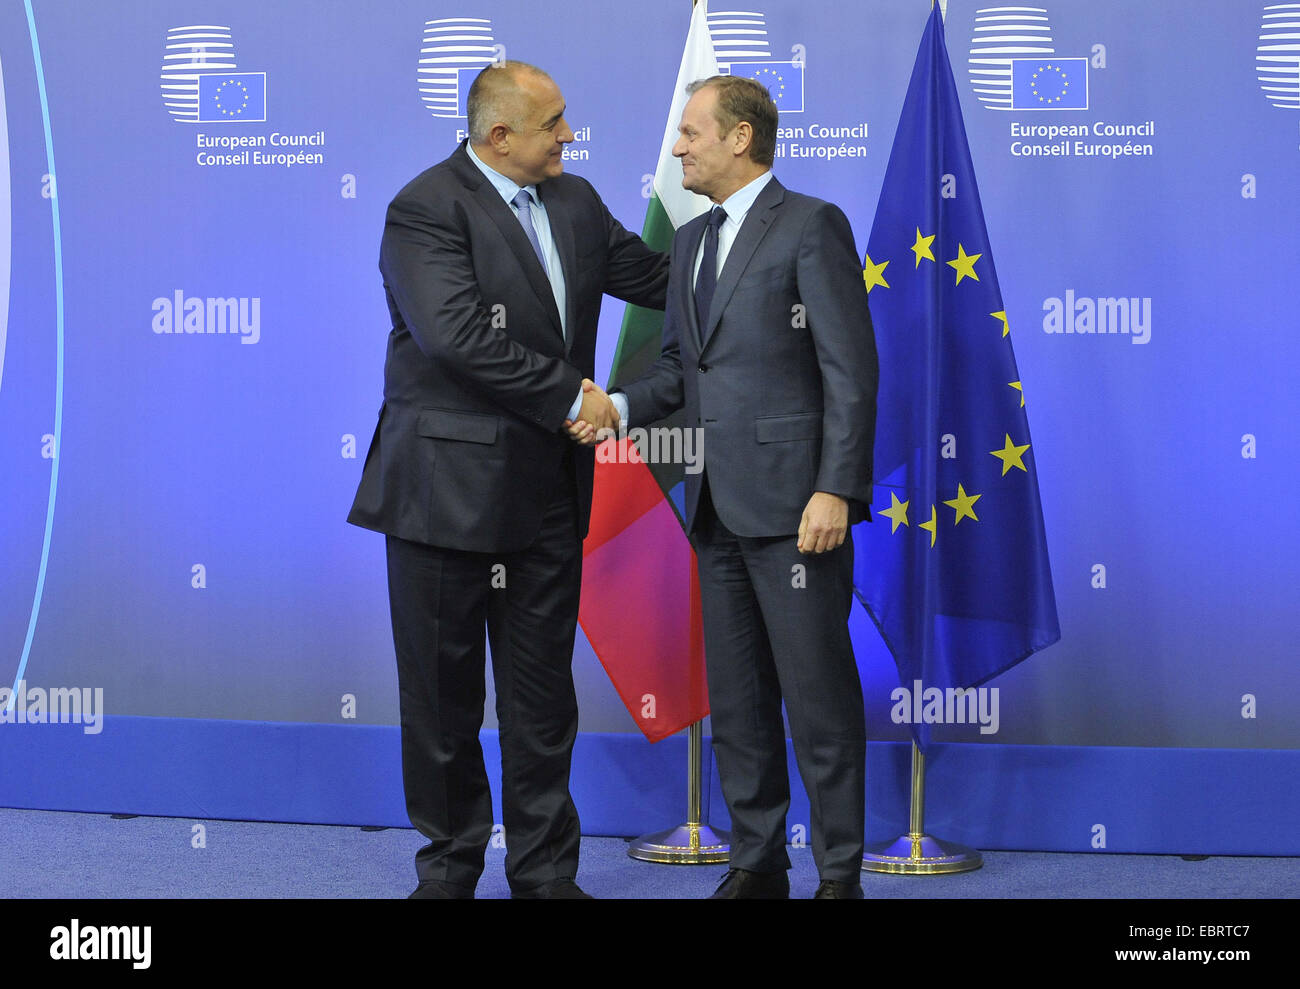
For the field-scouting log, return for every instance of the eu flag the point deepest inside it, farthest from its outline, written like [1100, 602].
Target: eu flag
[784, 80]
[1049, 83]
[953, 564]
[231, 96]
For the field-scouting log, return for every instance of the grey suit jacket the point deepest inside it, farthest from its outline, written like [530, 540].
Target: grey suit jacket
[782, 377]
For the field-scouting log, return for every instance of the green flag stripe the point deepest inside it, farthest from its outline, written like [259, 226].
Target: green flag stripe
[641, 339]
[641, 336]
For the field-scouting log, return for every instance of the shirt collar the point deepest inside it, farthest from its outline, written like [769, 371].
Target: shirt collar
[740, 201]
[507, 187]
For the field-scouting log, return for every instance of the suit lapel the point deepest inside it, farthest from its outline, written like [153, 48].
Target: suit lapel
[692, 234]
[510, 228]
[757, 223]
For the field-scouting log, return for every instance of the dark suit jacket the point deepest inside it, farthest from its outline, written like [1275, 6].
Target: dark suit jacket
[479, 378]
[782, 379]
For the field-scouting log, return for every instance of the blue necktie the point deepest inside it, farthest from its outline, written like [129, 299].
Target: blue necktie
[707, 280]
[524, 204]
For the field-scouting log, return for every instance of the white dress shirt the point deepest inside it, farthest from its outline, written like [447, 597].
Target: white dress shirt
[737, 207]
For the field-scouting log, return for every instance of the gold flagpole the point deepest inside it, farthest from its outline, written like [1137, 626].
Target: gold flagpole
[692, 843]
[916, 853]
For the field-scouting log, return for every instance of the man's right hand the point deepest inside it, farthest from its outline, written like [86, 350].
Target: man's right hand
[596, 417]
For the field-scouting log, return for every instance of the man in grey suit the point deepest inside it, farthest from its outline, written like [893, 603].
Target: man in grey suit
[494, 263]
[768, 345]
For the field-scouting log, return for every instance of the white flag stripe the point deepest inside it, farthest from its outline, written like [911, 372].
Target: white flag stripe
[698, 62]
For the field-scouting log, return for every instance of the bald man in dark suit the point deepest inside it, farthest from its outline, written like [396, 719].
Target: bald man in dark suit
[494, 263]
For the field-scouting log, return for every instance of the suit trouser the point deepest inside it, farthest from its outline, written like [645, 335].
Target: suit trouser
[773, 631]
[440, 600]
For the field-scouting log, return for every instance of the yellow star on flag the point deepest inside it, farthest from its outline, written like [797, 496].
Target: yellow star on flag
[964, 504]
[896, 512]
[1017, 386]
[1002, 318]
[1010, 456]
[922, 247]
[964, 264]
[874, 274]
[932, 525]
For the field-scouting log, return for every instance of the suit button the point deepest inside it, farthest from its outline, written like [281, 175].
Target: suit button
[704, 369]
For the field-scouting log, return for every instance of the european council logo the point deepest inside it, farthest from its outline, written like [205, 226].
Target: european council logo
[454, 51]
[1049, 83]
[200, 83]
[1277, 57]
[232, 96]
[1004, 35]
[741, 48]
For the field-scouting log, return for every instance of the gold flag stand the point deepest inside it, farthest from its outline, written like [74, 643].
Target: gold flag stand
[916, 853]
[692, 843]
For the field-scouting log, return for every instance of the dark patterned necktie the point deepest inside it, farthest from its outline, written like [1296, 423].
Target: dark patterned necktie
[708, 277]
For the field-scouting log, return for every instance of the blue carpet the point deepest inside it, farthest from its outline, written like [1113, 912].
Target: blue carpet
[94, 856]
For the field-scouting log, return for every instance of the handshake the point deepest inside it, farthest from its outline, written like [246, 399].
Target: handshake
[598, 417]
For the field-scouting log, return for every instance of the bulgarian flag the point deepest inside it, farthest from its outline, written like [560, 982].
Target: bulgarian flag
[640, 603]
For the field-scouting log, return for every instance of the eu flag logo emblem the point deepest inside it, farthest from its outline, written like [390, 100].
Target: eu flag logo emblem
[784, 80]
[1049, 83]
[232, 96]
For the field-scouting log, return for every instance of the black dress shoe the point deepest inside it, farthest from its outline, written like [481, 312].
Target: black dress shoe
[833, 889]
[439, 889]
[556, 889]
[741, 884]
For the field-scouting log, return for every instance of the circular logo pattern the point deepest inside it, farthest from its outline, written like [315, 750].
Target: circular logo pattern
[1050, 84]
[774, 82]
[231, 98]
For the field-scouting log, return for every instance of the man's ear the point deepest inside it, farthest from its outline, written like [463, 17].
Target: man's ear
[499, 138]
[744, 137]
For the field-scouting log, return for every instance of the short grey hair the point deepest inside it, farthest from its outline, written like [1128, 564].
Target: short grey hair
[494, 98]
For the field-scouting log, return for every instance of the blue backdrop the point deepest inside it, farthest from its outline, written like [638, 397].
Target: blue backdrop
[192, 331]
